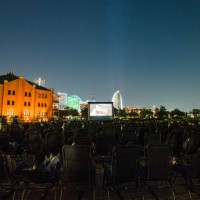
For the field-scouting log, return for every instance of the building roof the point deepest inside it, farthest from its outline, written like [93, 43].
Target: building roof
[11, 77]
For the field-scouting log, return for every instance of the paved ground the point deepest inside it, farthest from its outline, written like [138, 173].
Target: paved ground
[165, 193]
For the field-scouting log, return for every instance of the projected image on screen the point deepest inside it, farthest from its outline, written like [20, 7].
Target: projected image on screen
[100, 111]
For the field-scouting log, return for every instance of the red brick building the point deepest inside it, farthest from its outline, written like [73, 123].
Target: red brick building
[25, 99]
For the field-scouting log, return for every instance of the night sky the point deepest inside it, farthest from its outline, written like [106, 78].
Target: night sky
[149, 50]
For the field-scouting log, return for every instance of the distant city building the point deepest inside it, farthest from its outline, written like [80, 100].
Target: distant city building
[74, 101]
[62, 100]
[40, 82]
[136, 109]
[117, 100]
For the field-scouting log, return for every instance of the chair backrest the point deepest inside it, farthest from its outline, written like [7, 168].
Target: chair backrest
[125, 162]
[33, 142]
[195, 165]
[16, 133]
[54, 143]
[129, 137]
[104, 144]
[152, 138]
[5, 143]
[193, 143]
[159, 165]
[77, 163]
[82, 140]
[176, 140]
[5, 175]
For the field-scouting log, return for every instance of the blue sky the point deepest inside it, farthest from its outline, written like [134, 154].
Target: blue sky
[147, 49]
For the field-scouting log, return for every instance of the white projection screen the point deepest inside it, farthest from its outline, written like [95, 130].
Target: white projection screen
[100, 110]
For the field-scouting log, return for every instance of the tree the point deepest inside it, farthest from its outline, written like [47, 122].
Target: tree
[133, 114]
[84, 112]
[122, 113]
[63, 113]
[115, 111]
[196, 112]
[73, 112]
[146, 113]
[161, 113]
[177, 114]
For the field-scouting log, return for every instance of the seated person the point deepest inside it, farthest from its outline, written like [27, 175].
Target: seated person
[53, 164]
[41, 165]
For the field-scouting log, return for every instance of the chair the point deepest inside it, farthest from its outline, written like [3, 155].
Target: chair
[8, 183]
[104, 145]
[152, 138]
[54, 143]
[176, 139]
[82, 140]
[159, 166]
[78, 168]
[129, 137]
[191, 173]
[123, 170]
[16, 133]
[193, 143]
[5, 141]
[17, 138]
[33, 141]
[36, 180]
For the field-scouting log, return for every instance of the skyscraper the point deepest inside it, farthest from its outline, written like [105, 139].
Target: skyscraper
[117, 100]
[62, 100]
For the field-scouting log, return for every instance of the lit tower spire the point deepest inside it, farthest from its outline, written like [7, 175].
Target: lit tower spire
[117, 100]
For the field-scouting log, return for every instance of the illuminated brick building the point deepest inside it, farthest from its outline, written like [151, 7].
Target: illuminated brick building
[24, 99]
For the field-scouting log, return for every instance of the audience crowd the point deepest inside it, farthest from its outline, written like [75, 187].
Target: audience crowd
[38, 146]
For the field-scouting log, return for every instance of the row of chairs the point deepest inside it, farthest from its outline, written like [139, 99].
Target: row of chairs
[130, 165]
[128, 169]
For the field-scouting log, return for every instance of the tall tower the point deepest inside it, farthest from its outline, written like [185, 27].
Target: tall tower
[117, 100]
[62, 100]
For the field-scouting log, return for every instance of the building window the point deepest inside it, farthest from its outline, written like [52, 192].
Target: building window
[8, 102]
[24, 113]
[13, 103]
[38, 113]
[29, 104]
[45, 95]
[42, 104]
[45, 105]
[13, 92]
[25, 94]
[38, 104]
[24, 103]
[29, 94]
[39, 95]
[9, 92]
